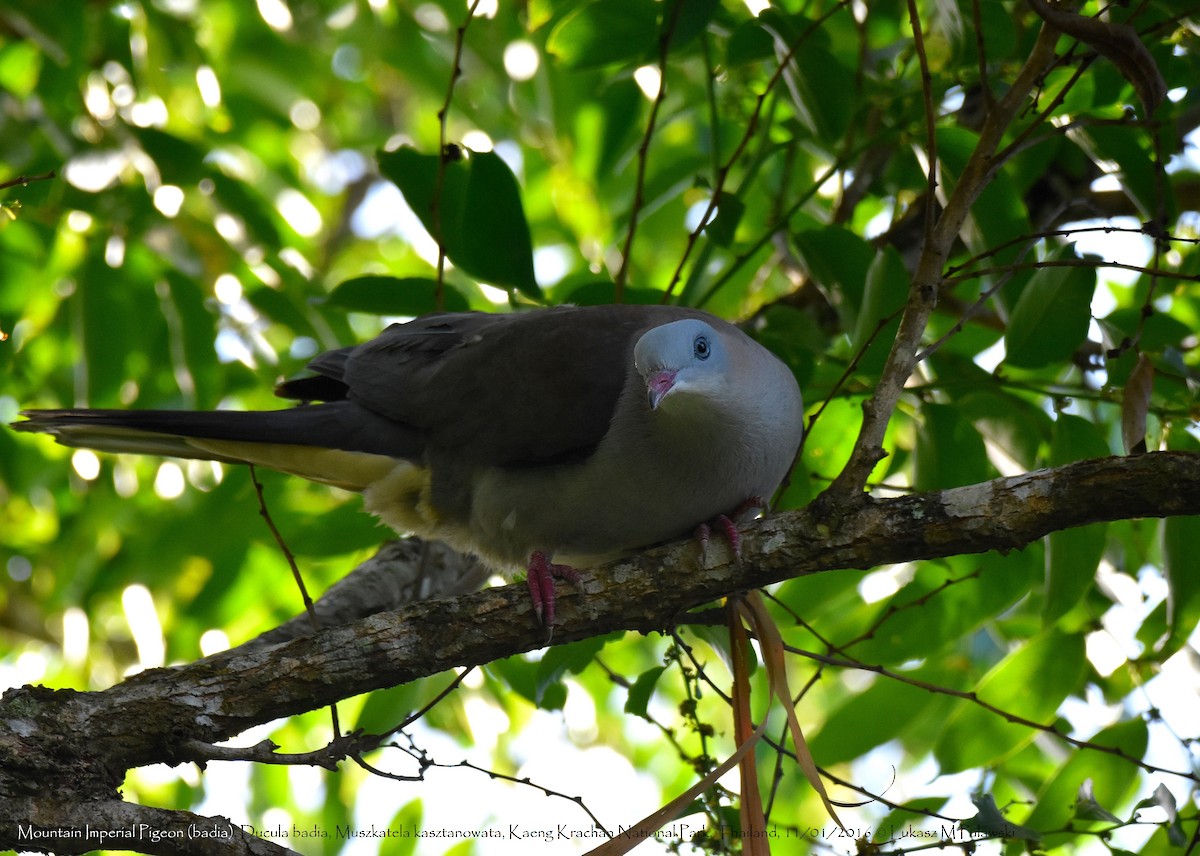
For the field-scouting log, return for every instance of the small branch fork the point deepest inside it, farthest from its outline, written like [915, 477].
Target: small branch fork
[927, 279]
[354, 745]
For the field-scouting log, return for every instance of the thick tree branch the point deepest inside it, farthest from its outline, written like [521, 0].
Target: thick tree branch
[61, 748]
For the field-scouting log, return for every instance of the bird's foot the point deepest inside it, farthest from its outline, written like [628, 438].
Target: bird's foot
[541, 575]
[728, 525]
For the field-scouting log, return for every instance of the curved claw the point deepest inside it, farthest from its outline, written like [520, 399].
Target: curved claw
[728, 529]
[728, 525]
[541, 575]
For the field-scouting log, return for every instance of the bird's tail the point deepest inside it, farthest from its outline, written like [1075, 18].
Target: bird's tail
[338, 443]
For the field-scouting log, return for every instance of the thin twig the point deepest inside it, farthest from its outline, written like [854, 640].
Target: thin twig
[973, 697]
[643, 152]
[760, 242]
[309, 607]
[927, 279]
[751, 129]
[845, 376]
[265, 752]
[1083, 263]
[425, 762]
[931, 154]
[981, 52]
[451, 687]
[444, 157]
[26, 180]
[1034, 237]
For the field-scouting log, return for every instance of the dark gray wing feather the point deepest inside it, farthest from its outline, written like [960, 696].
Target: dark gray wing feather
[336, 425]
[518, 389]
[508, 390]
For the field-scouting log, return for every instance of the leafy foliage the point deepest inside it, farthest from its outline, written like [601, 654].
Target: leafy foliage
[241, 185]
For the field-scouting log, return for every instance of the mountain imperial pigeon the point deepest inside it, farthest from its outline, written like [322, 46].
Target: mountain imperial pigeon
[545, 439]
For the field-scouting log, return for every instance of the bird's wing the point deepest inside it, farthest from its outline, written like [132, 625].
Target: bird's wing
[508, 390]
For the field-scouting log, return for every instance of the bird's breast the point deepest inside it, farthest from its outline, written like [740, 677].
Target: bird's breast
[634, 491]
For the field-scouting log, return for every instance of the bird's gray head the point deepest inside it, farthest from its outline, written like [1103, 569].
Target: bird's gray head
[681, 359]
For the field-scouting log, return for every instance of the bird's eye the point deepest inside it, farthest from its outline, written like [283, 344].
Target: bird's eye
[701, 348]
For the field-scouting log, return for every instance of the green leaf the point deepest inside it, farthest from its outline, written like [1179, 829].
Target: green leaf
[179, 161]
[949, 451]
[1011, 423]
[1001, 28]
[1072, 555]
[1050, 320]
[1000, 211]
[416, 174]
[856, 727]
[691, 20]
[642, 689]
[1157, 332]
[517, 674]
[282, 307]
[407, 819]
[976, 737]
[560, 660]
[749, 42]
[839, 260]
[724, 224]
[498, 247]
[115, 321]
[1074, 438]
[20, 64]
[241, 201]
[886, 291]
[1111, 783]
[620, 108]
[717, 637]
[479, 218]
[928, 623]
[385, 709]
[1180, 535]
[334, 532]
[390, 295]
[821, 86]
[1078, 99]
[604, 32]
[1134, 160]
[192, 329]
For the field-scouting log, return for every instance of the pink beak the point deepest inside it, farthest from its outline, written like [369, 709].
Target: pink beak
[659, 384]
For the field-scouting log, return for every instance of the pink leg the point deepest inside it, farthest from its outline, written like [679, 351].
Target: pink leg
[728, 529]
[728, 526]
[541, 575]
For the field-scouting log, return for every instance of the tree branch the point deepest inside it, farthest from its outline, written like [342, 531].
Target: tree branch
[63, 754]
[927, 279]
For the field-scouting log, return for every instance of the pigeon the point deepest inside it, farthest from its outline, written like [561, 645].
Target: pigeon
[545, 440]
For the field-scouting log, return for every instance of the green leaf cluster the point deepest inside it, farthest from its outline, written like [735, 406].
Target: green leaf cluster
[239, 186]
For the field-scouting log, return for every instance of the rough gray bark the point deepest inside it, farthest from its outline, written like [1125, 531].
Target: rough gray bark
[63, 754]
